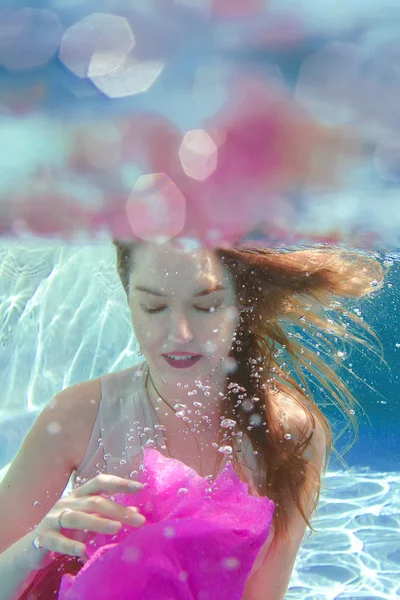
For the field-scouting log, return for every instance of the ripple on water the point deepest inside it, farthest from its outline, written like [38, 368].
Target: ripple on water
[356, 550]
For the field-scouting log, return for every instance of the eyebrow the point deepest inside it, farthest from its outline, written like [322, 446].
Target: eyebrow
[209, 290]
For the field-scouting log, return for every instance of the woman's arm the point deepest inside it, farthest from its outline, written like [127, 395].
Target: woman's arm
[37, 477]
[271, 580]
[18, 566]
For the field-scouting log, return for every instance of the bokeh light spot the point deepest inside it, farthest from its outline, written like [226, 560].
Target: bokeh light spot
[28, 38]
[97, 44]
[198, 154]
[131, 77]
[156, 208]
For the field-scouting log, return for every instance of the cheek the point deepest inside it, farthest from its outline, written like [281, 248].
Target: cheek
[227, 324]
[148, 332]
[217, 337]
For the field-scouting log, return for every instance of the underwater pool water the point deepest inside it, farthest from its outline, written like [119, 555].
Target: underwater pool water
[64, 319]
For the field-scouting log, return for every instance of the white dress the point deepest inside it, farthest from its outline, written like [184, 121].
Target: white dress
[124, 424]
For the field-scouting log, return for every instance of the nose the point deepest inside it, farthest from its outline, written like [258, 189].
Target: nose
[180, 331]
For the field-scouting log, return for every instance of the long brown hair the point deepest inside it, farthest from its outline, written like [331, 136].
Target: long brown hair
[292, 330]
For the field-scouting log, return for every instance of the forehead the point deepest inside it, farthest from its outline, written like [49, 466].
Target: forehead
[175, 270]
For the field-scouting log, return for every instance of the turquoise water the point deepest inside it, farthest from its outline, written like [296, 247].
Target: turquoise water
[65, 319]
[63, 313]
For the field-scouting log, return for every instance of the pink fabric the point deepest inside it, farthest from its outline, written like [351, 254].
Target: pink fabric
[199, 542]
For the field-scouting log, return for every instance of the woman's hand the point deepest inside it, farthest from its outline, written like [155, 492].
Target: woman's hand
[85, 510]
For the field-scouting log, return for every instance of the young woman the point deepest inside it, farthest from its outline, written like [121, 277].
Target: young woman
[227, 336]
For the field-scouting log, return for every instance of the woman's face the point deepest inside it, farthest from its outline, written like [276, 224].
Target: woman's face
[183, 310]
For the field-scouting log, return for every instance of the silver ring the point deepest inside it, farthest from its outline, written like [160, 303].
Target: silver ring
[36, 543]
[61, 526]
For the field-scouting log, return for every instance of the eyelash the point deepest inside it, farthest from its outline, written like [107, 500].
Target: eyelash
[158, 310]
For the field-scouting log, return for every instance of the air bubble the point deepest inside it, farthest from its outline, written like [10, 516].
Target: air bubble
[150, 444]
[159, 427]
[210, 347]
[130, 554]
[225, 450]
[287, 436]
[182, 491]
[231, 563]
[53, 428]
[247, 405]
[169, 532]
[229, 365]
[255, 420]
[228, 423]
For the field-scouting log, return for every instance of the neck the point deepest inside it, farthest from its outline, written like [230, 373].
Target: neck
[191, 394]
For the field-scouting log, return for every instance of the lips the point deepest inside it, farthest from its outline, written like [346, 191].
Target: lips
[181, 360]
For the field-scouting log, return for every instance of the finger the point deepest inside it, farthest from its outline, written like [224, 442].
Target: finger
[108, 483]
[83, 521]
[110, 509]
[57, 542]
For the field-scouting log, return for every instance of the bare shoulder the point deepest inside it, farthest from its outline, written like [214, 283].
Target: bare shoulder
[73, 410]
[66, 421]
[48, 454]
[75, 394]
[295, 421]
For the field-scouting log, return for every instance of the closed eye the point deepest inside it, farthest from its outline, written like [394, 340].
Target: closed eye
[208, 310]
[152, 311]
